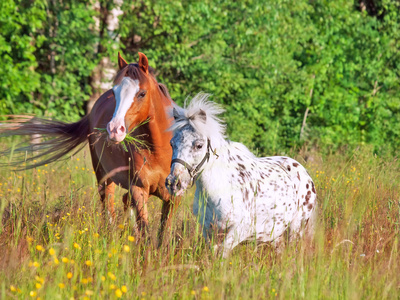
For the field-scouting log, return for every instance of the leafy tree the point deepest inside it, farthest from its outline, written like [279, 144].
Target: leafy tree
[324, 73]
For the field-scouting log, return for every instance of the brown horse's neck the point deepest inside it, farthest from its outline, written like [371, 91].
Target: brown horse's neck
[159, 122]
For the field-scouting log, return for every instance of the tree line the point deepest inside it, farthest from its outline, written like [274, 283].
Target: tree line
[320, 72]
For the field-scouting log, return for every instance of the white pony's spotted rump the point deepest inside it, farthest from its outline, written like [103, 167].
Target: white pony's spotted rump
[247, 197]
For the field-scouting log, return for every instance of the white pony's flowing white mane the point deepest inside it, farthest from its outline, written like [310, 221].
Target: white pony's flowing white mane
[211, 126]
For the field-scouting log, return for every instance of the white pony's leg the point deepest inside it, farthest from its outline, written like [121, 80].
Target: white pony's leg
[279, 244]
[205, 234]
[233, 238]
[300, 227]
[310, 227]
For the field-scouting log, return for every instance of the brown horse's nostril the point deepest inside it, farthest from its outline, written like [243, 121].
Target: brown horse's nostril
[121, 129]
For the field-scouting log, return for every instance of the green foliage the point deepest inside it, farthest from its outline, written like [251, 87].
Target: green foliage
[48, 50]
[137, 141]
[268, 62]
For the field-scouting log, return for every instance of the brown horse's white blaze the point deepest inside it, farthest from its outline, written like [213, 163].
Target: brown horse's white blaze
[124, 94]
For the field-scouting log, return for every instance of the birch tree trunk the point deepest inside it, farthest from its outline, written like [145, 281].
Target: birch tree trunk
[107, 24]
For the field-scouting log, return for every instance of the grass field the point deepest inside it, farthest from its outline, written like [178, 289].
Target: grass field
[56, 244]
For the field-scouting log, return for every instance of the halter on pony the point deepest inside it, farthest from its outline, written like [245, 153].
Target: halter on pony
[195, 172]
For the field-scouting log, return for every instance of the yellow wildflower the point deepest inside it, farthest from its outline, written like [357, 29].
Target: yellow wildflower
[126, 248]
[38, 285]
[64, 260]
[39, 248]
[13, 288]
[88, 263]
[112, 276]
[205, 289]
[61, 285]
[124, 289]
[131, 238]
[69, 275]
[39, 279]
[32, 294]
[118, 293]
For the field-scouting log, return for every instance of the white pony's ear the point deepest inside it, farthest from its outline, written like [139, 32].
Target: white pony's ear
[200, 115]
[175, 114]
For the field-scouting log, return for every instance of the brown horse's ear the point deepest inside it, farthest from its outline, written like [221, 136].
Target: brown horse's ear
[121, 62]
[143, 63]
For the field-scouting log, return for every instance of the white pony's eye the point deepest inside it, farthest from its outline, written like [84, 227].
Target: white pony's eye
[199, 146]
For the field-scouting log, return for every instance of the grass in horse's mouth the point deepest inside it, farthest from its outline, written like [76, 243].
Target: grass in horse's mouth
[137, 141]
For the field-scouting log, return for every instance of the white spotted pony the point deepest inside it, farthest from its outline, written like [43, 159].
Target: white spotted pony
[247, 197]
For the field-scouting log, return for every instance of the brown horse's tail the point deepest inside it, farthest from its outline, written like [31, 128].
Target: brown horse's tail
[56, 139]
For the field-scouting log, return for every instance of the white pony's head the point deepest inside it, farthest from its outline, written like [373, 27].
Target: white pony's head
[197, 131]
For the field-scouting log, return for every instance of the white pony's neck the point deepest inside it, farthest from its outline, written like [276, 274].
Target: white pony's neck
[217, 172]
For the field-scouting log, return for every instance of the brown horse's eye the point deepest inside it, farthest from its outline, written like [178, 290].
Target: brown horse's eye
[141, 94]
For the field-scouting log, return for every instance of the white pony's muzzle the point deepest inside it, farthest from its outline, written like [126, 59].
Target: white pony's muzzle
[177, 181]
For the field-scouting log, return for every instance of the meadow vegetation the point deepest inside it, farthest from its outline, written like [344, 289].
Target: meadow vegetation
[56, 241]
[321, 76]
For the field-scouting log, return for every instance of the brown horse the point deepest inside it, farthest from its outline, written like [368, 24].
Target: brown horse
[137, 105]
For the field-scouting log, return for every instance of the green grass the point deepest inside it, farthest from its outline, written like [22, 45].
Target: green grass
[138, 141]
[52, 225]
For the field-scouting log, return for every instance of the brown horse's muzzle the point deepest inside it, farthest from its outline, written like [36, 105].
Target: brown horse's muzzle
[116, 130]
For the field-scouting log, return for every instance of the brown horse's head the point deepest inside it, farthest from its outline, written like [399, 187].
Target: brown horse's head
[135, 88]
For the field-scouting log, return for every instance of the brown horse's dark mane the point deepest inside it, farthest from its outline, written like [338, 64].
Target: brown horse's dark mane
[164, 90]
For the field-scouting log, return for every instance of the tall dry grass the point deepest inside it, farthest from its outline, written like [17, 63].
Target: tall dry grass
[56, 243]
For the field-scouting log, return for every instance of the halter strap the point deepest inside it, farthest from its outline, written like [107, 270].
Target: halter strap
[194, 172]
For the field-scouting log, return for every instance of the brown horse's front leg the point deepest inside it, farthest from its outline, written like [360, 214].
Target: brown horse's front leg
[169, 208]
[106, 191]
[110, 188]
[139, 202]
